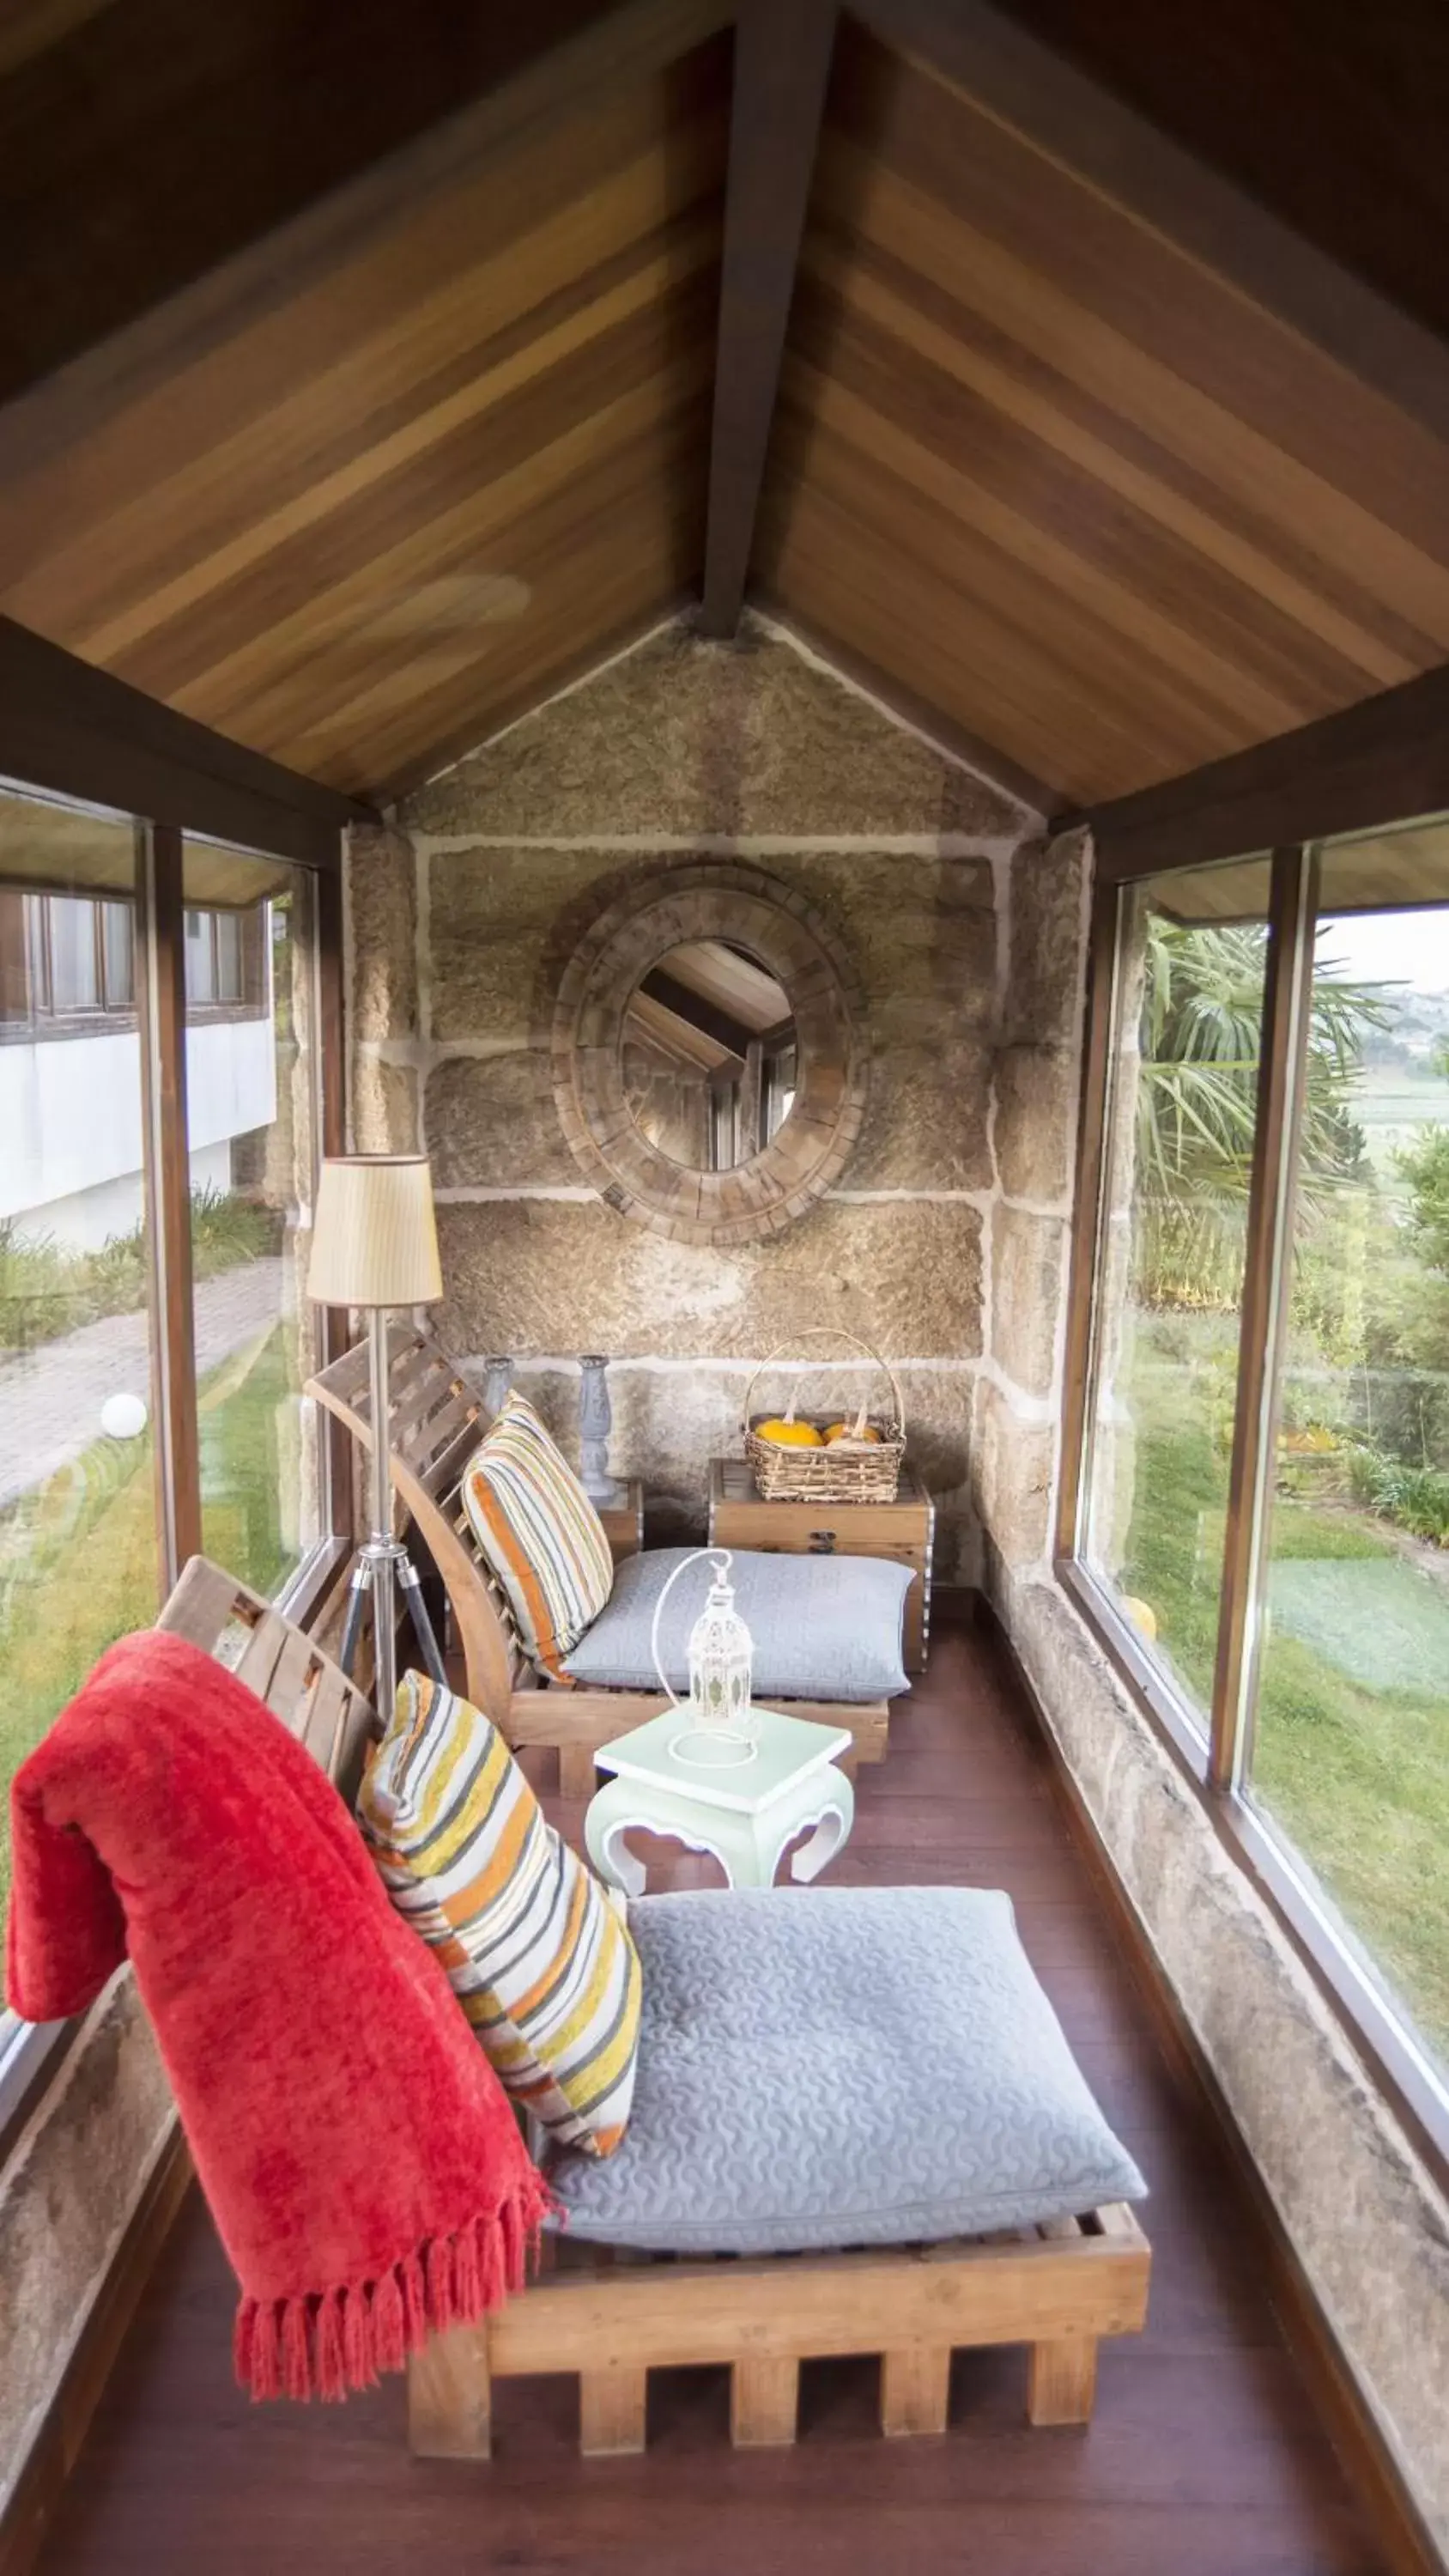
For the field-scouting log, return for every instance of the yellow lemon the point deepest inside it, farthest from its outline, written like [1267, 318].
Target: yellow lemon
[847, 1431]
[1141, 1614]
[791, 1435]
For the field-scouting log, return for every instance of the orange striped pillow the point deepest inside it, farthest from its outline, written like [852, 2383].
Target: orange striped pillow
[540, 1534]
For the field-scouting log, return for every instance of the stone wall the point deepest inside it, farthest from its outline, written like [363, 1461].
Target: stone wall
[460, 919]
[67, 2192]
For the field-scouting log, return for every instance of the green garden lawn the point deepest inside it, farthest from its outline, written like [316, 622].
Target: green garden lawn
[81, 1570]
[1351, 1749]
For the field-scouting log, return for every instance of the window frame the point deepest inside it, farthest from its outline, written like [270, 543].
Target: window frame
[30, 2053]
[1217, 1764]
[27, 969]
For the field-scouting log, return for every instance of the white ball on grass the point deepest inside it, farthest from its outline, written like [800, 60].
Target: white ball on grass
[123, 1417]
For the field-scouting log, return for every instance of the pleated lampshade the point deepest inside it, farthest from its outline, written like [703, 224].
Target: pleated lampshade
[374, 1238]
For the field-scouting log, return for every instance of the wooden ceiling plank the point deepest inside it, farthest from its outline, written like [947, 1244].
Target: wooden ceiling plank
[78, 732]
[1079, 124]
[940, 639]
[392, 536]
[782, 65]
[621, 49]
[630, 589]
[1258, 554]
[1382, 761]
[1128, 547]
[958, 665]
[544, 549]
[1063, 561]
[273, 670]
[1228, 448]
[454, 271]
[240, 492]
[1169, 713]
[409, 448]
[975, 171]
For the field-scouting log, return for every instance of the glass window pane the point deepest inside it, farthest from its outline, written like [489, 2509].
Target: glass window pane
[228, 956]
[200, 962]
[117, 952]
[1182, 1114]
[1350, 1743]
[74, 961]
[79, 1560]
[251, 1103]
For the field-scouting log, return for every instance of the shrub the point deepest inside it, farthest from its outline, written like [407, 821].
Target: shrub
[46, 1290]
[1414, 1498]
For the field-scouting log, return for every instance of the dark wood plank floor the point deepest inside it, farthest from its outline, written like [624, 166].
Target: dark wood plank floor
[1205, 2458]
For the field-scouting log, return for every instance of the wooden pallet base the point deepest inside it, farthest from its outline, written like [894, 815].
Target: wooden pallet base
[610, 2319]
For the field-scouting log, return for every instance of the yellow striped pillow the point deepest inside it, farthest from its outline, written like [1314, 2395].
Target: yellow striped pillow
[539, 1532]
[538, 1957]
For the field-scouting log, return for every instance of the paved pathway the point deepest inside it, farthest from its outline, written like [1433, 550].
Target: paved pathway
[50, 1401]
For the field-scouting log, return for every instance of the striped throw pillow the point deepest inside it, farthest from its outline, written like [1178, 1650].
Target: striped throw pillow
[540, 1534]
[536, 1952]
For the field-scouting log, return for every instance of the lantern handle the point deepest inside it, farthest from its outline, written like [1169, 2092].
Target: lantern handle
[722, 1561]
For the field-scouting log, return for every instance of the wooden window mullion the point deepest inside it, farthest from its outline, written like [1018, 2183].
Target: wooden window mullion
[1088, 1239]
[331, 1078]
[1267, 1292]
[160, 970]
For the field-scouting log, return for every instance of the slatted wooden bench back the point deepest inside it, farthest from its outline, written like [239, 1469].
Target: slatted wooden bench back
[436, 1422]
[299, 1684]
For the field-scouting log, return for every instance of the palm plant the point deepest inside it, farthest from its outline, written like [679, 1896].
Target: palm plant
[1200, 1037]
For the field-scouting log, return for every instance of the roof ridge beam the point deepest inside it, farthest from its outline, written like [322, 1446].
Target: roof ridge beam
[781, 70]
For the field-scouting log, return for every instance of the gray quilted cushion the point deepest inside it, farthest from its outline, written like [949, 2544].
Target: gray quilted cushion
[842, 2066]
[824, 1627]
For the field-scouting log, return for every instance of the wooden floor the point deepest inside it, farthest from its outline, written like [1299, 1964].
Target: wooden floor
[1205, 2458]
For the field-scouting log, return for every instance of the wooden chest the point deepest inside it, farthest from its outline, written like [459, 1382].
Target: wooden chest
[903, 1530]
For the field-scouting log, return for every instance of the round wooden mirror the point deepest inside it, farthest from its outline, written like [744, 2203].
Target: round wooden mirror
[709, 1061]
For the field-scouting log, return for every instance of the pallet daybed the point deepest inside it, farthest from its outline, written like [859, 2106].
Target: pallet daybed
[609, 2317]
[437, 1421]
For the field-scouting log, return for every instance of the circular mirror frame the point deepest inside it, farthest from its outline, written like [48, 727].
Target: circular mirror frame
[710, 899]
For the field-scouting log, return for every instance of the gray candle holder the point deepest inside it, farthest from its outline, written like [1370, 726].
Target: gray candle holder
[497, 1379]
[596, 1421]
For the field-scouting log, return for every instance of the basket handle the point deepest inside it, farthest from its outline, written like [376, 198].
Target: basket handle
[826, 1333]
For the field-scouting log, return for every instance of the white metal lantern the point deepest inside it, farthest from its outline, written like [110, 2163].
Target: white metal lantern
[722, 1723]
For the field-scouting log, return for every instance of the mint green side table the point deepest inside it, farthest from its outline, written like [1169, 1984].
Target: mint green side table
[744, 1813]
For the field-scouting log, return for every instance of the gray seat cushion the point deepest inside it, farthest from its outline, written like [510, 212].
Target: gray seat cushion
[824, 1627]
[842, 2066]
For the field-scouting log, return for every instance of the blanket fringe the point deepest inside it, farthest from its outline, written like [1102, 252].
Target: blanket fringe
[328, 2343]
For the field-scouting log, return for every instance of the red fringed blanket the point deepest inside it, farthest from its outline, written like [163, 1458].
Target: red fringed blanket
[359, 2155]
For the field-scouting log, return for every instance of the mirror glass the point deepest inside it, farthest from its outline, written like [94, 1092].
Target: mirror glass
[710, 1055]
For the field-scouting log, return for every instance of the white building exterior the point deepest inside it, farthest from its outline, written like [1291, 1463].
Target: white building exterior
[70, 1122]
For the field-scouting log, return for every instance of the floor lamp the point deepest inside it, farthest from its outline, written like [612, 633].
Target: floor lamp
[375, 1246]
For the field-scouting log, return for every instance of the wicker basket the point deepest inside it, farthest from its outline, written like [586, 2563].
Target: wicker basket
[852, 1470]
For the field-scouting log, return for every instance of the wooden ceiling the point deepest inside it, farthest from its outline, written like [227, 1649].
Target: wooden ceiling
[387, 500]
[1111, 482]
[1061, 480]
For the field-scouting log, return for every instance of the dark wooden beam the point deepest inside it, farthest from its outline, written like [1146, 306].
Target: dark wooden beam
[161, 1007]
[782, 65]
[1072, 117]
[1385, 760]
[1264, 1297]
[77, 731]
